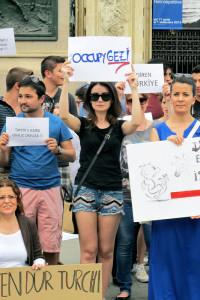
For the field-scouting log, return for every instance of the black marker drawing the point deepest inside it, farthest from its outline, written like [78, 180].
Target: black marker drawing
[153, 184]
[180, 165]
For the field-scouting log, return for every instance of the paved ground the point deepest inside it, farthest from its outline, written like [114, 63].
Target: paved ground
[70, 255]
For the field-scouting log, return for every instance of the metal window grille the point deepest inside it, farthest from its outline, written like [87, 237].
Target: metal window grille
[180, 47]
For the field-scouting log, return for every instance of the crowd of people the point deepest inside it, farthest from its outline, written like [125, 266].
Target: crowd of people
[30, 203]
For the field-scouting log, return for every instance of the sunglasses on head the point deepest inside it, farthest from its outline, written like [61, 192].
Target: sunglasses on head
[34, 79]
[105, 97]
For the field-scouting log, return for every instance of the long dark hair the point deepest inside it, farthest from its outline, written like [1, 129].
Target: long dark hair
[5, 182]
[114, 110]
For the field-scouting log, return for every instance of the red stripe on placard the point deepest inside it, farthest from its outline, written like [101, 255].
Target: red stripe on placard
[122, 64]
[185, 194]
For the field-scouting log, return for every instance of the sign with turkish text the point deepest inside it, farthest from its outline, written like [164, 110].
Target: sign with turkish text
[27, 131]
[7, 42]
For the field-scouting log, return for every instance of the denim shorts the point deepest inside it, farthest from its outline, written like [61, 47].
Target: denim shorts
[102, 202]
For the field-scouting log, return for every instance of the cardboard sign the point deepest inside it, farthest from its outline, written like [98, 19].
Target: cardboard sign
[27, 131]
[72, 282]
[164, 179]
[150, 78]
[7, 42]
[100, 58]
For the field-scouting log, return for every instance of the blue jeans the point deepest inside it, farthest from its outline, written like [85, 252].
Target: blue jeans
[125, 240]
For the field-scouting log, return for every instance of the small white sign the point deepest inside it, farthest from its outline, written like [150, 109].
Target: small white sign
[7, 42]
[99, 58]
[148, 116]
[27, 131]
[164, 179]
[150, 78]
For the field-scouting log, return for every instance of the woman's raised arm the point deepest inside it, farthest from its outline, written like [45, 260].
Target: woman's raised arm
[70, 120]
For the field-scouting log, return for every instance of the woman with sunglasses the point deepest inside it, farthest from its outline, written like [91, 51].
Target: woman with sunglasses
[99, 204]
[20, 245]
[175, 244]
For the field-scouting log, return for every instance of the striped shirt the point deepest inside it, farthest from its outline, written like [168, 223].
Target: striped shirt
[5, 111]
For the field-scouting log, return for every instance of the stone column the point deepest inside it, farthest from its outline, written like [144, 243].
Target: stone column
[119, 18]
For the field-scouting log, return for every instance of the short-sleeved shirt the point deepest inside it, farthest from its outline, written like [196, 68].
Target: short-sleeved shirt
[50, 103]
[36, 167]
[105, 173]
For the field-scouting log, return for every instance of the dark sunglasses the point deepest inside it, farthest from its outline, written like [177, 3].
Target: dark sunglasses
[105, 97]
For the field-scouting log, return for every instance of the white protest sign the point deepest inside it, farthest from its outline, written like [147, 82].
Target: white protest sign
[148, 116]
[150, 78]
[164, 179]
[27, 131]
[99, 58]
[7, 42]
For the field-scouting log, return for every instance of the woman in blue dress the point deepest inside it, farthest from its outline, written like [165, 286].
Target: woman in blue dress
[175, 243]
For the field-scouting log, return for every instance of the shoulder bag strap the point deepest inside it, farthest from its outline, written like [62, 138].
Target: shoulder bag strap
[106, 137]
[194, 129]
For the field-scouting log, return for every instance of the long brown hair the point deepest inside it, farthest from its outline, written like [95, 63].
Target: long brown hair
[5, 182]
[115, 109]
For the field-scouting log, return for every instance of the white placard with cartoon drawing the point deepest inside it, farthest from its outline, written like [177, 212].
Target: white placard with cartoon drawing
[164, 179]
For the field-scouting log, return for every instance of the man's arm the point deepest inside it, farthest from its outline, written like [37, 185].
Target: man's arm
[66, 152]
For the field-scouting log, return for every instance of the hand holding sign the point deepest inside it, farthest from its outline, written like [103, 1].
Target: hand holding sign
[4, 139]
[166, 92]
[120, 87]
[176, 139]
[132, 79]
[52, 145]
[67, 70]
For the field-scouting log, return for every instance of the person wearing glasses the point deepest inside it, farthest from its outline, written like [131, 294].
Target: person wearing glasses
[175, 245]
[35, 169]
[99, 204]
[19, 240]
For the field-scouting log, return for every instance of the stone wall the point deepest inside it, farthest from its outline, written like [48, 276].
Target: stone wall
[94, 17]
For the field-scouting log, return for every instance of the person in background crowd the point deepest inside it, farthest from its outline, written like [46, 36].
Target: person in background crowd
[154, 104]
[98, 205]
[9, 106]
[165, 108]
[195, 111]
[175, 246]
[20, 245]
[35, 169]
[79, 98]
[53, 78]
